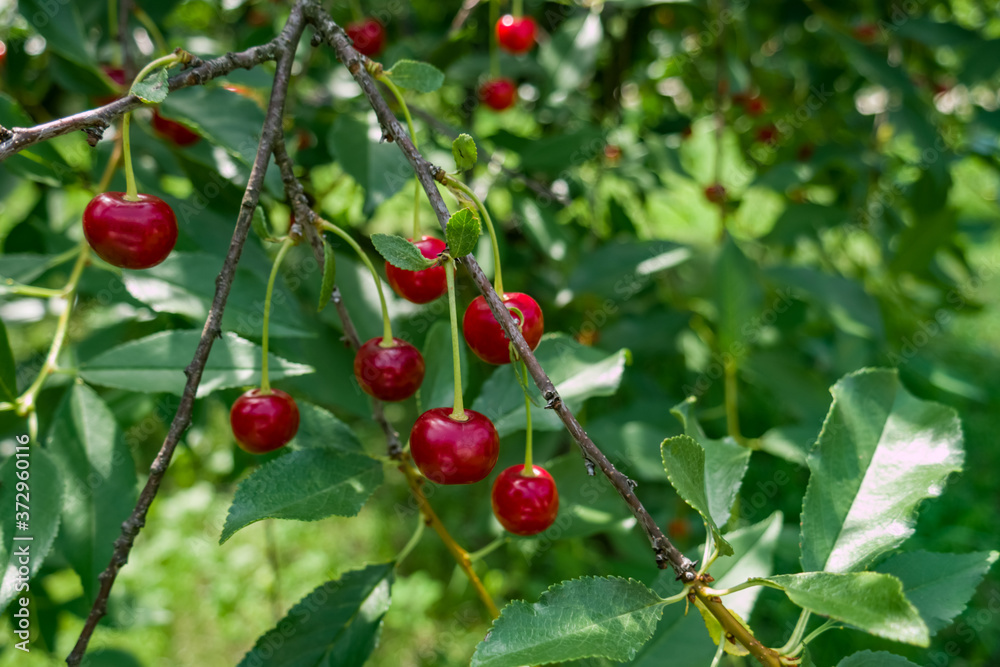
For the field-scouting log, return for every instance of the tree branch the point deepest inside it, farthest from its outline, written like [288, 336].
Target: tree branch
[285, 45]
[95, 121]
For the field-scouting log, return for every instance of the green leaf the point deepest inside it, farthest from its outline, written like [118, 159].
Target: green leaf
[153, 89]
[329, 277]
[184, 284]
[567, 623]
[875, 659]
[328, 482]
[415, 75]
[45, 500]
[335, 625]
[438, 388]
[939, 585]
[259, 224]
[379, 168]
[464, 150]
[588, 504]
[579, 373]
[880, 453]
[320, 429]
[156, 363]
[400, 253]
[739, 298]
[726, 463]
[684, 461]
[462, 232]
[8, 370]
[99, 475]
[869, 601]
[40, 162]
[200, 108]
[61, 26]
[848, 305]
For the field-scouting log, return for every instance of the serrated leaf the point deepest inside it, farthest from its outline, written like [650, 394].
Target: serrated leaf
[464, 150]
[566, 624]
[400, 253]
[726, 463]
[684, 461]
[869, 601]
[337, 624]
[462, 232]
[329, 277]
[327, 482]
[875, 659]
[8, 370]
[184, 284]
[97, 469]
[438, 387]
[415, 75]
[153, 89]
[156, 363]
[45, 498]
[320, 429]
[939, 585]
[880, 453]
[579, 373]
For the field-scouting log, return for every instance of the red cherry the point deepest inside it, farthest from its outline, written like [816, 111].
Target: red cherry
[3, 53]
[516, 34]
[768, 134]
[678, 529]
[448, 451]
[116, 74]
[755, 106]
[420, 286]
[483, 333]
[865, 32]
[130, 234]
[173, 130]
[389, 373]
[498, 94]
[264, 422]
[805, 152]
[368, 36]
[715, 193]
[523, 504]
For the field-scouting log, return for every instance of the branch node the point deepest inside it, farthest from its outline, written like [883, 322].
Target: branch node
[5, 134]
[95, 133]
[591, 466]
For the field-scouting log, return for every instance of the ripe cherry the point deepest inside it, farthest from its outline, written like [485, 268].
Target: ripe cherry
[525, 504]
[173, 130]
[755, 106]
[420, 286]
[498, 94]
[487, 339]
[805, 152]
[116, 74]
[130, 234]
[866, 33]
[516, 34]
[449, 451]
[767, 134]
[715, 193]
[389, 373]
[3, 53]
[263, 422]
[368, 36]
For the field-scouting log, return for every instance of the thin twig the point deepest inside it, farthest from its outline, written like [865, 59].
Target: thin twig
[284, 45]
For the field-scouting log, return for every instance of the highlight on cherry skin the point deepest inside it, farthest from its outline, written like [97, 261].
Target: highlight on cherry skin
[525, 504]
[421, 286]
[498, 94]
[368, 35]
[389, 373]
[263, 422]
[487, 339]
[449, 451]
[130, 234]
[516, 34]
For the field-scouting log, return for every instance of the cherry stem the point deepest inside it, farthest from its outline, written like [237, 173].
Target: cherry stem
[386, 324]
[518, 8]
[529, 468]
[265, 382]
[797, 633]
[356, 10]
[112, 19]
[458, 411]
[384, 78]
[412, 542]
[497, 275]
[494, 50]
[150, 25]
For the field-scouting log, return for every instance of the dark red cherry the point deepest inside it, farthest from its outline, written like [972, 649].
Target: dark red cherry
[483, 333]
[368, 36]
[3, 53]
[420, 286]
[715, 193]
[264, 422]
[389, 373]
[448, 451]
[865, 32]
[498, 94]
[116, 74]
[516, 34]
[130, 234]
[805, 152]
[755, 106]
[171, 129]
[767, 134]
[525, 504]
